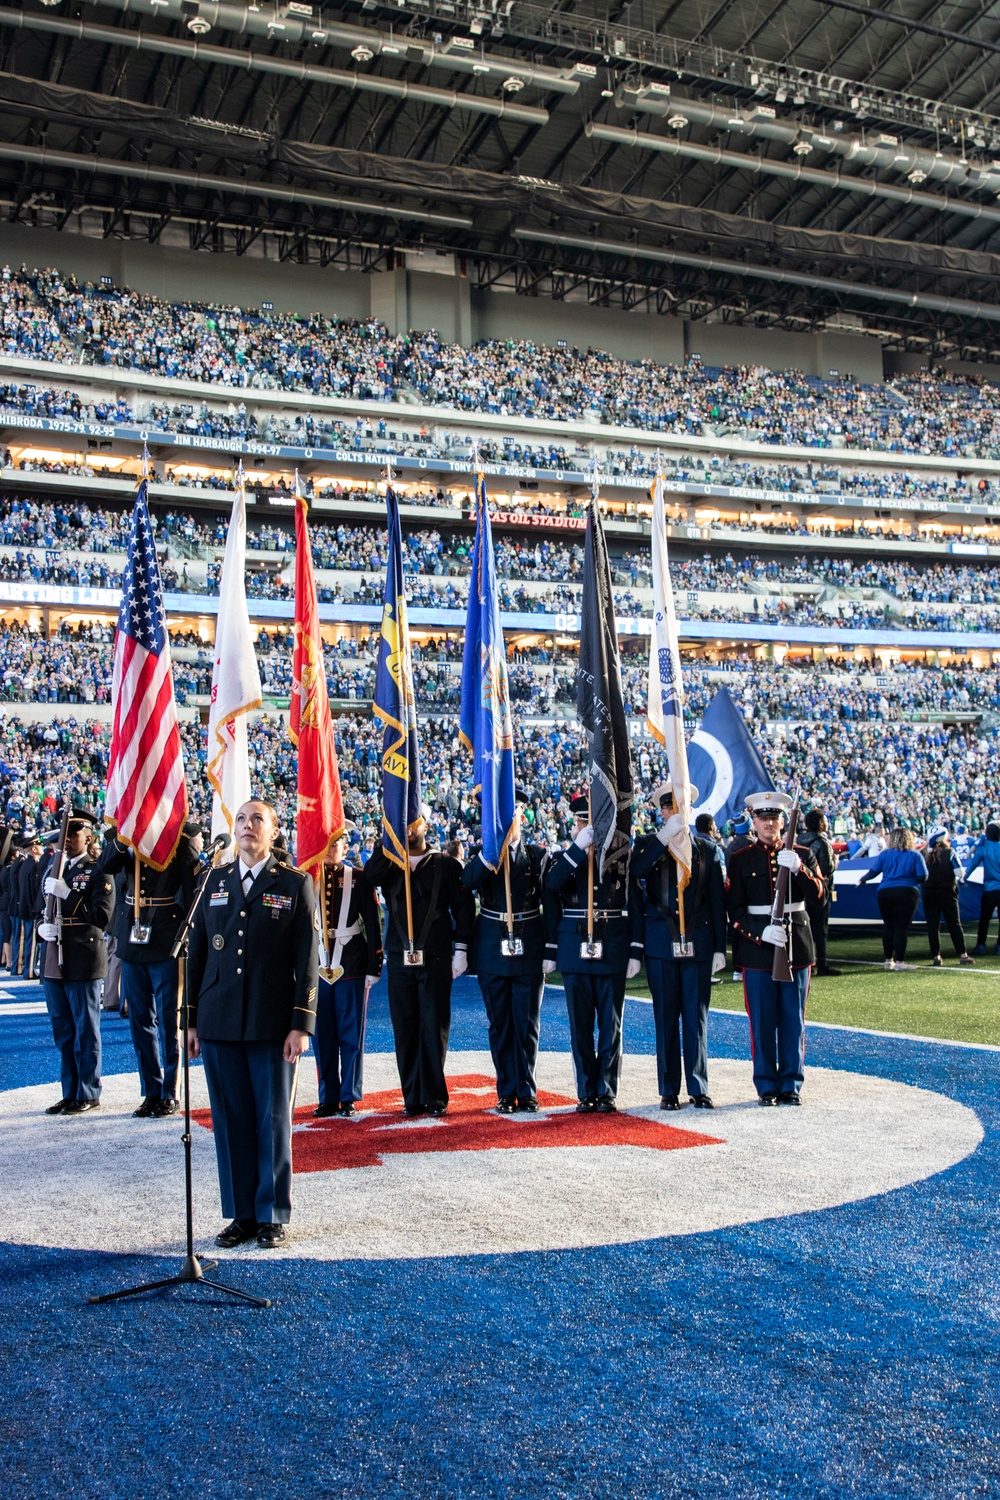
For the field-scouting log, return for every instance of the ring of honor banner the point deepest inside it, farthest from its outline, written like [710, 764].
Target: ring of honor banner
[394, 702]
[320, 809]
[599, 702]
[485, 722]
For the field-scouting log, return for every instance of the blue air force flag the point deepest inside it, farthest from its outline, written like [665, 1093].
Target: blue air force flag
[725, 762]
[394, 703]
[485, 724]
[665, 698]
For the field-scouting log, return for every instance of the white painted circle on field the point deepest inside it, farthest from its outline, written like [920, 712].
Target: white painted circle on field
[380, 1187]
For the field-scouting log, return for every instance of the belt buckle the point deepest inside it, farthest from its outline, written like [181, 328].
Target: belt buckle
[413, 958]
[683, 950]
[591, 948]
[141, 933]
[512, 947]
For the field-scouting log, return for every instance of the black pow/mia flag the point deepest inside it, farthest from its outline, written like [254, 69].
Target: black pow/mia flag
[600, 706]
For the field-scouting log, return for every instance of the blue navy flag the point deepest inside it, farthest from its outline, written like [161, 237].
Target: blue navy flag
[485, 725]
[599, 703]
[724, 761]
[394, 703]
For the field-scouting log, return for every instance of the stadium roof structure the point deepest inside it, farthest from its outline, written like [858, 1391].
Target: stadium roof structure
[795, 163]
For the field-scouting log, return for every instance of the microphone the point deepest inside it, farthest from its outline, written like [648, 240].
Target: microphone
[220, 842]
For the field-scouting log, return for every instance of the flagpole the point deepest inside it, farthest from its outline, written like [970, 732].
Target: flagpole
[407, 886]
[594, 491]
[510, 901]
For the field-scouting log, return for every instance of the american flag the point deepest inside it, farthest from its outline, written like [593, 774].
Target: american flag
[147, 795]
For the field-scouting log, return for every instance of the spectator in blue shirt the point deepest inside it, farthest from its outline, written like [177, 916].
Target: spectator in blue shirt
[988, 856]
[903, 873]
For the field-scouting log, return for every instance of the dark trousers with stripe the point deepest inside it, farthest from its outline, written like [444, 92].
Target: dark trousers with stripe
[514, 1014]
[252, 1092]
[596, 1000]
[150, 993]
[420, 1011]
[681, 994]
[75, 1012]
[340, 1040]
[777, 1012]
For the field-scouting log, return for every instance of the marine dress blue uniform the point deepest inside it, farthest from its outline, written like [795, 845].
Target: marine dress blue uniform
[252, 972]
[681, 987]
[353, 928]
[777, 1010]
[595, 987]
[511, 984]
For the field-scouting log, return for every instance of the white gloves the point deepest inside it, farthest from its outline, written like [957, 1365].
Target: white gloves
[718, 962]
[48, 932]
[673, 826]
[585, 837]
[55, 887]
[459, 963]
[775, 933]
[370, 981]
[633, 967]
[548, 966]
[789, 860]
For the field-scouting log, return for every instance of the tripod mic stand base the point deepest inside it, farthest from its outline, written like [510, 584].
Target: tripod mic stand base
[191, 1273]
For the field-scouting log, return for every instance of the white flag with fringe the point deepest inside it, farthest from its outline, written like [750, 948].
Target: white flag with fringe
[665, 702]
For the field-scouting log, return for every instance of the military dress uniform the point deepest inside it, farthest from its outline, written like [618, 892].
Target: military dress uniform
[354, 928]
[512, 984]
[28, 870]
[252, 969]
[681, 987]
[149, 976]
[444, 912]
[777, 1010]
[74, 1001]
[595, 987]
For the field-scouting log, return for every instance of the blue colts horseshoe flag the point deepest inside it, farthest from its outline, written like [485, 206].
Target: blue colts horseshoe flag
[725, 763]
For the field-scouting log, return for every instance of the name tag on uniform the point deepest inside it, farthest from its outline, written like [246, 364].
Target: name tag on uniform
[219, 898]
[683, 950]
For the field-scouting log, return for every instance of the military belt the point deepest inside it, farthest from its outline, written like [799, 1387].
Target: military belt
[147, 901]
[501, 916]
[581, 911]
[765, 911]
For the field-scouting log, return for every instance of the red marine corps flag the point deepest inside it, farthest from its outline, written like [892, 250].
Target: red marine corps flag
[320, 806]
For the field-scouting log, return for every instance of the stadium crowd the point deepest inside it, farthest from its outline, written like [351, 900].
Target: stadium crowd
[47, 315]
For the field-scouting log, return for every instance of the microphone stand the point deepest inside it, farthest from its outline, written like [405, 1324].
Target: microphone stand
[192, 1271]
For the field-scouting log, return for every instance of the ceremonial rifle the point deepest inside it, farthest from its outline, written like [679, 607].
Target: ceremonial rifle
[781, 968]
[53, 913]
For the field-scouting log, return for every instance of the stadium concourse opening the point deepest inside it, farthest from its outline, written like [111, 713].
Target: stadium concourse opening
[460, 515]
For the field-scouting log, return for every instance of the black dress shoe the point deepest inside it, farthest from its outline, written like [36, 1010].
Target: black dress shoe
[827, 973]
[324, 1111]
[269, 1235]
[437, 1109]
[147, 1109]
[702, 1101]
[606, 1105]
[59, 1107]
[81, 1106]
[789, 1097]
[506, 1105]
[413, 1111]
[670, 1101]
[166, 1107]
[236, 1233]
[768, 1100]
[527, 1106]
[586, 1106]
[347, 1109]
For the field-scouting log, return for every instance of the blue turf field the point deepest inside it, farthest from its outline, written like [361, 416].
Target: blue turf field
[847, 1352]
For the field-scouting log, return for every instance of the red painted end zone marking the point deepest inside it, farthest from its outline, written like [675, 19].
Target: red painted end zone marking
[470, 1125]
